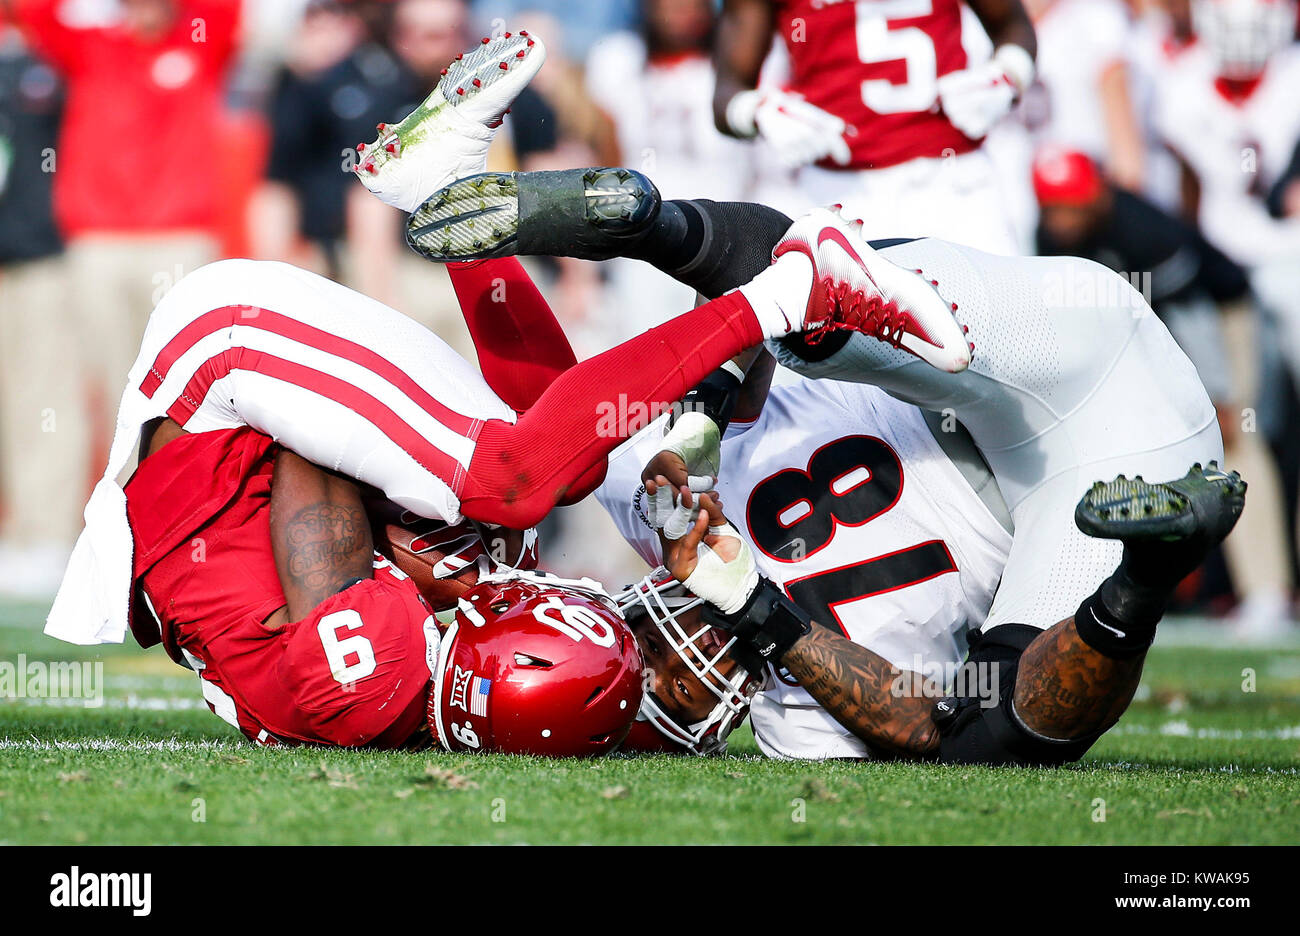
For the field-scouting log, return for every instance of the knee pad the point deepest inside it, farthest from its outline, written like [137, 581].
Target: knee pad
[974, 729]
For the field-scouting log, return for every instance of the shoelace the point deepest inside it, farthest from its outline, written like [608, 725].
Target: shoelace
[870, 315]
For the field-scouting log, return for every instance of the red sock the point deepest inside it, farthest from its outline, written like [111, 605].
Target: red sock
[521, 347]
[520, 471]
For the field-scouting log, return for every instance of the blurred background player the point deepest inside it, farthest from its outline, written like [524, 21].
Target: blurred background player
[1193, 288]
[885, 106]
[1227, 109]
[43, 431]
[134, 193]
[1082, 97]
[656, 84]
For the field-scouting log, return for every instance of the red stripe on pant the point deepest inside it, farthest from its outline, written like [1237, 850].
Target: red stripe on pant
[411, 441]
[520, 471]
[273, 322]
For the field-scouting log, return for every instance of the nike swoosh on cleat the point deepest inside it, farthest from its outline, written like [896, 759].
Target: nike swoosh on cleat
[463, 216]
[1115, 631]
[834, 234]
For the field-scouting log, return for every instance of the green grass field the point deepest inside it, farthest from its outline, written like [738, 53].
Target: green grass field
[1198, 759]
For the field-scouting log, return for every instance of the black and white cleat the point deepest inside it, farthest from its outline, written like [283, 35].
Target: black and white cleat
[587, 213]
[1203, 505]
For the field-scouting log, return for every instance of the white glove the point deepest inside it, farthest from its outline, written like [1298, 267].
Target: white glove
[695, 439]
[799, 133]
[975, 99]
[725, 585]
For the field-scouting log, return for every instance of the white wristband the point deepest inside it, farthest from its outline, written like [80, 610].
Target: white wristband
[695, 438]
[1017, 63]
[740, 113]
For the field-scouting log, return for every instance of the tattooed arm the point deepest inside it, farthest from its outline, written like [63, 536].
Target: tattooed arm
[319, 533]
[865, 693]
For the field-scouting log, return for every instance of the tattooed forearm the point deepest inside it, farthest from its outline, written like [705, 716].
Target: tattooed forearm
[1066, 690]
[857, 688]
[326, 546]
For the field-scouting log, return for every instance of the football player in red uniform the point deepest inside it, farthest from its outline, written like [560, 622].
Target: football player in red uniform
[261, 572]
[885, 105]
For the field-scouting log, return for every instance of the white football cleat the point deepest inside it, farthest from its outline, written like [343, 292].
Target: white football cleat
[447, 137]
[857, 289]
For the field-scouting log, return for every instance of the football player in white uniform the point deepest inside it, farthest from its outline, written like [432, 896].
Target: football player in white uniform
[1076, 380]
[1050, 405]
[864, 511]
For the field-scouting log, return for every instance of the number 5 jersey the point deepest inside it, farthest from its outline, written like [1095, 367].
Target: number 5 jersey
[852, 507]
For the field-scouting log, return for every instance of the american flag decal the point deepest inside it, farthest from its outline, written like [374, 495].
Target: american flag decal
[479, 695]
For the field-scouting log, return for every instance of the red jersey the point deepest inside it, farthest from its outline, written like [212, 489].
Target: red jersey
[875, 64]
[354, 672]
[138, 147]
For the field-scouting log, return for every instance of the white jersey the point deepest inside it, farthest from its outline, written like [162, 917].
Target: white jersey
[852, 507]
[663, 118]
[1236, 149]
[663, 115]
[1077, 41]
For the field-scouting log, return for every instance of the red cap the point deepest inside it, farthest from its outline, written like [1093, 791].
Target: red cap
[1066, 177]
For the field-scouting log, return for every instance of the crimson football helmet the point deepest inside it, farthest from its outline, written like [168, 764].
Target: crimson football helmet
[1243, 35]
[666, 601]
[535, 664]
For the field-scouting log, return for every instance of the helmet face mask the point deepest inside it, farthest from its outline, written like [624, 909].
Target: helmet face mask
[534, 664]
[702, 651]
[1243, 35]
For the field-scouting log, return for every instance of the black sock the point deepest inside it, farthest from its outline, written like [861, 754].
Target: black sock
[1119, 619]
[673, 240]
[711, 246]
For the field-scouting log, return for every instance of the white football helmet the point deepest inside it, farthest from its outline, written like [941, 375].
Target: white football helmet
[666, 601]
[1243, 35]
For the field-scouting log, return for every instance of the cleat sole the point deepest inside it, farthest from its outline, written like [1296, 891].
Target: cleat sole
[472, 218]
[1204, 501]
[585, 213]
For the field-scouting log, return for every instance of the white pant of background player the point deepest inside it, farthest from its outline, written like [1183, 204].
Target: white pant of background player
[959, 197]
[1074, 380]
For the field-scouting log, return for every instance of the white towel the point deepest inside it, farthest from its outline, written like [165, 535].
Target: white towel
[94, 600]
